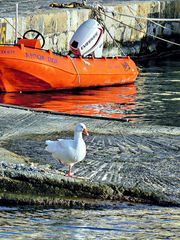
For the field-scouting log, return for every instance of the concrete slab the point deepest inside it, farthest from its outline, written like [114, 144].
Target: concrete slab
[141, 160]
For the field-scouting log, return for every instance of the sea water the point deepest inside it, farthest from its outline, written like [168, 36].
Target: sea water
[129, 221]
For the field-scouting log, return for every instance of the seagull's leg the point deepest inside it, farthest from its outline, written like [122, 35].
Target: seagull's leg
[61, 162]
[70, 173]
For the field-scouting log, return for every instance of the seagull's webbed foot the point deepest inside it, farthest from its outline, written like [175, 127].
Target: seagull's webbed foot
[70, 173]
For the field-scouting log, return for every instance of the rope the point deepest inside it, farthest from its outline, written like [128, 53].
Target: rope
[150, 19]
[96, 14]
[116, 41]
[75, 68]
[160, 25]
[140, 24]
[11, 25]
[157, 24]
[162, 39]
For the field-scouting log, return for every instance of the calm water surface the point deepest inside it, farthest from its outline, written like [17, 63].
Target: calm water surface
[127, 222]
[154, 98]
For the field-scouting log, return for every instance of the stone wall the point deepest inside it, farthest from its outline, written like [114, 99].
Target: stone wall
[58, 25]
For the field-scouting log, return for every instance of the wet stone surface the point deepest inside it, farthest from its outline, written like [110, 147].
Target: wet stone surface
[107, 155]
[134, 162]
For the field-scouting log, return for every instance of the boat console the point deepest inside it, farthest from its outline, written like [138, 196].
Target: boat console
[32, 38]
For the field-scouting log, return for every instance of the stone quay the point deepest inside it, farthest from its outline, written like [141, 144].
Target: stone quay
[131, 35]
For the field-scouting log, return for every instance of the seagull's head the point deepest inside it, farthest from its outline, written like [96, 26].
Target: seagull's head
[81, 127]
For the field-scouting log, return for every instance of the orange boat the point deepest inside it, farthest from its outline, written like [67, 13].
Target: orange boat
[26, 66]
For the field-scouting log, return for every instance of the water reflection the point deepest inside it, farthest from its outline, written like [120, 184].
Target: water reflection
[113, 102]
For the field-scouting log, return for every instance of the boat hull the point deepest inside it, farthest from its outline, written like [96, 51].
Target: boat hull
[25, 69]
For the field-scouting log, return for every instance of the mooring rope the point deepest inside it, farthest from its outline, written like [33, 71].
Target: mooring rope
[153, 19]
[11, 25]
[115, 40]
[96, 14]
[162, 39]
[75, 68]
[154, 22]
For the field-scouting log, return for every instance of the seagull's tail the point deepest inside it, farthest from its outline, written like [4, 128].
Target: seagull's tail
[50, 146]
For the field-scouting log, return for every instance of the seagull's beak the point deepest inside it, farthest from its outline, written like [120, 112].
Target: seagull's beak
[85, 131]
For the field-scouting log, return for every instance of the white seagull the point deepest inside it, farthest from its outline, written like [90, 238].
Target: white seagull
[69, 151]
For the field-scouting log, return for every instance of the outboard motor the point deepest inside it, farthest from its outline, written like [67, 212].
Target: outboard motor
[88, 39]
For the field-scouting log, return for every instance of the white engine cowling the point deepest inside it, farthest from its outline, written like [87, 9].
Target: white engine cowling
[88, 39]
